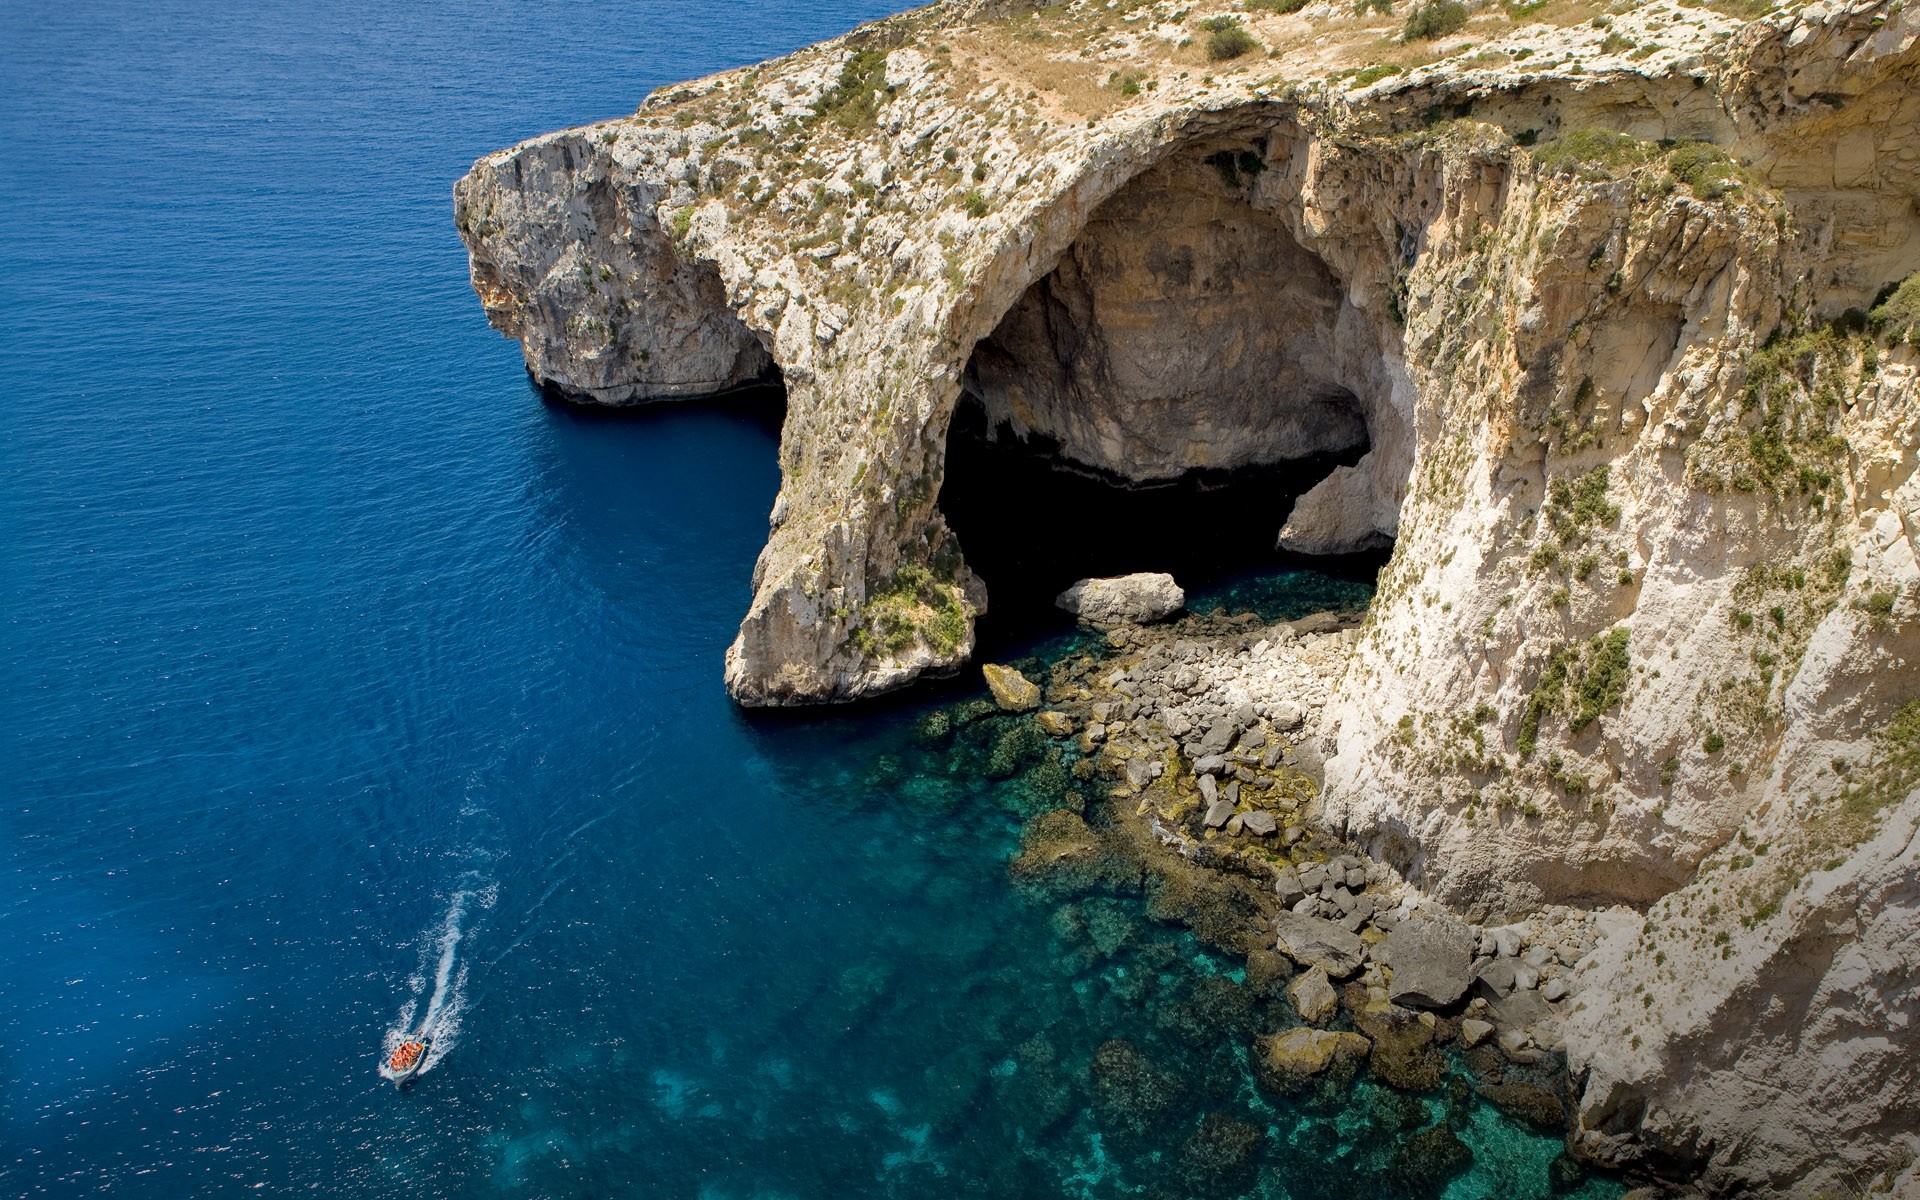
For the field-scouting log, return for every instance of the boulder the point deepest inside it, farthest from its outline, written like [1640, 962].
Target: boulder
[1473, 1032]
[1287, 1061]
[1529, 1102]
[1313, 996]
[1312, 942]
[1137, 599]
[1403, 1053]
[1431, 960]
[1012, 691]
[1056, 724]
[1495, 979]
[1287, 886]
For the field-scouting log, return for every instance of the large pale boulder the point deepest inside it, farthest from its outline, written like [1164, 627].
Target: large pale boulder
[1312, 942]
[1431, 959]
[1137, 599]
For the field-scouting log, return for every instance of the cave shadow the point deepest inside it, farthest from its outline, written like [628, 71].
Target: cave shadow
[1030, 524]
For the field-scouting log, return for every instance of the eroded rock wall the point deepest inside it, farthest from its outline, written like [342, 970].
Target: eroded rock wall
[1654, 587]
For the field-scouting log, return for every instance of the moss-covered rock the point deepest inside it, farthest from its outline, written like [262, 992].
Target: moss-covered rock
[1536, 1105]
[1403, 1053]
[1060, 854]
[1286, 1062]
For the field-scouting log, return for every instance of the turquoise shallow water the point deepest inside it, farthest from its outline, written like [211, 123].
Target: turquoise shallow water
[348, 686]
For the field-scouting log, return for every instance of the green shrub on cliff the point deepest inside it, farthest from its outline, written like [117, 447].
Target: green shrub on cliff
[1225, 38]
[1582, 681]
[1898, 318]
[1705, 168]
[1590, 153]
[915, 604]
[855, 98]
[1435, 19]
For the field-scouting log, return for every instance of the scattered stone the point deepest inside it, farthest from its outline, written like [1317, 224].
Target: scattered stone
[1555, 989]
[1055, 724]
[1209, 790]
[1431, 959]
[1210, 764]
[1288, 887]
[1235, 824]
[1012, 691]
[1474, 1031]
[1312, 942]
[1507, 942]
[1287, 715]
[1313, 996]
[1514, 1039]
[1525, 978]
[1260, 824]
[1218, 814]
[1495, 979]
[1138, 599]
[1537, 957]
[1287, 1061]
[1139, 772]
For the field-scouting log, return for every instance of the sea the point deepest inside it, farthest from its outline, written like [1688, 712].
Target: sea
[349, 687]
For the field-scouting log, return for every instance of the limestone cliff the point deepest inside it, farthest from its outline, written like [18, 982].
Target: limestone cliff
[1589, 285]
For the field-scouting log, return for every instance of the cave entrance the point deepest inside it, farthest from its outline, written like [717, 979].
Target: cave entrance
[1031, 525]
[1159, 400]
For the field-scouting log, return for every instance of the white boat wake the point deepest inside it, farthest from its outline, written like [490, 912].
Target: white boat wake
[446, 1002]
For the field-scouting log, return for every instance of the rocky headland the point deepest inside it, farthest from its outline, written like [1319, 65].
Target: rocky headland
[1614, 311]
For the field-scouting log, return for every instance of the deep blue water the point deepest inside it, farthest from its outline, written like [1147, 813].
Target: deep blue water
[348, 685]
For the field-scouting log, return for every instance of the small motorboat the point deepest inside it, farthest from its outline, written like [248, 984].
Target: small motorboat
[406, 1060]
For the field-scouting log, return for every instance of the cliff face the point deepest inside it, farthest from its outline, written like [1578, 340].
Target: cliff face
[1576, 285]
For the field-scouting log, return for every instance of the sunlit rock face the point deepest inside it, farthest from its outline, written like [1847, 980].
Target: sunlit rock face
[1184, 329]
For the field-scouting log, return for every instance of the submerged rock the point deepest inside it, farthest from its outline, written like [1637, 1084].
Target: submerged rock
[1138, 599]
[1132, 1096]
[1059, 853]
[1221, 1157]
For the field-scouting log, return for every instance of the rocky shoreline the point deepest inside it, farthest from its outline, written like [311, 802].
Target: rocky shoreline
[1208, 798]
